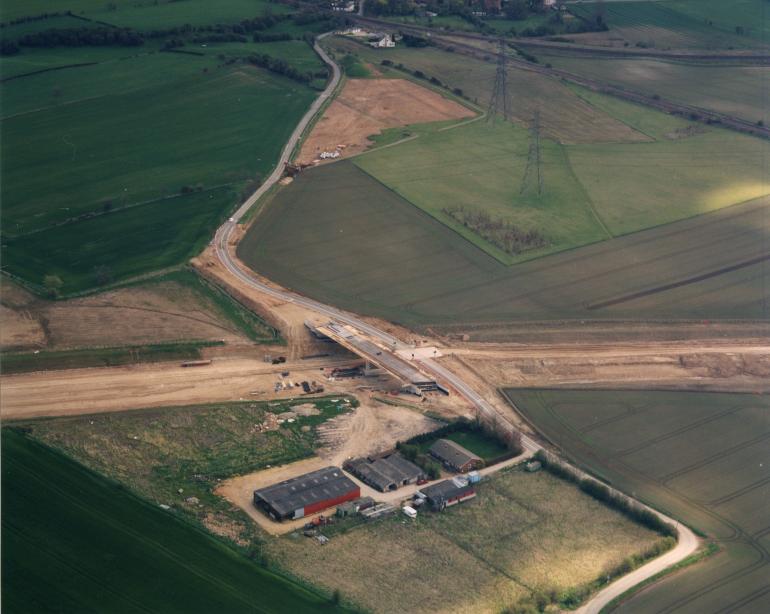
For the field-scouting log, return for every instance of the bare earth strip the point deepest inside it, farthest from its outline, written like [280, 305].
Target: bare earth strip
[366, 107]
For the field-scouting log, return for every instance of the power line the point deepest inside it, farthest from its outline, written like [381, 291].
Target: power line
[498, 101]
[533, 171]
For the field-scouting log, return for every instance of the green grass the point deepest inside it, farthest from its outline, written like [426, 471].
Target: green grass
[478, 443]
[733, 90]
[353, 67]
[670, 180]
[415, 270]
[73, 541]
[481, 167]
[697, 456]
[22, 362]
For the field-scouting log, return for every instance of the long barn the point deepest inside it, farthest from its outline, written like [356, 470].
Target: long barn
[306, 494]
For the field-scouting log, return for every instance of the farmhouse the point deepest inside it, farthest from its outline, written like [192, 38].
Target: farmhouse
[385, 42]
[447, 493]
[454, 456]
[384, 474]
[306, 494]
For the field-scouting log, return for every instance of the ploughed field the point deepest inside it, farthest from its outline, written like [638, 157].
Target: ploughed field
[75, 541]
[701, 457]
[339, 235]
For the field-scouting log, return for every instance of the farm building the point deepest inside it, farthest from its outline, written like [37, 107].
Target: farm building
[387, 473]
[454, 456]
[306, 494]
[447, 493]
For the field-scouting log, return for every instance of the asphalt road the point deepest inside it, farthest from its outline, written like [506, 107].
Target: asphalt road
[687, 542]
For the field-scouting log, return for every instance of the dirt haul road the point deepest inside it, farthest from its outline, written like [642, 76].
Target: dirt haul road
[84, 391]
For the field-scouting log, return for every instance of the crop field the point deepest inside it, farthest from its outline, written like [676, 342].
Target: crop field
[517, 537]
[733, 90]
[340, 236]
[683, 23]
[156, 452]
[566, 117]
[88, 151]
[103, 180]
[75, 541]
[699, 456]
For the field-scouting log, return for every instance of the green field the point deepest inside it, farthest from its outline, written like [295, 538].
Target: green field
[683, 23]
[481, 166]
[525, 538]
[701, 457]
[146, 14]
[337, 234]
[95, 174]
[73, 541]
[102, 144]
[478, 443]
[733, 90]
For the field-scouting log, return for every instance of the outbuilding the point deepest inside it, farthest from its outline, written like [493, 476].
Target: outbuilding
[455, 457]
[447, 493]
[306, 494]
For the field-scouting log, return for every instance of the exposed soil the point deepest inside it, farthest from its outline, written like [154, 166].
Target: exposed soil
[154, 313]
[366, 107]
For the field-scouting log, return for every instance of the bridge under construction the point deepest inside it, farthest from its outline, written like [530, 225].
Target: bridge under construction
[387, 359]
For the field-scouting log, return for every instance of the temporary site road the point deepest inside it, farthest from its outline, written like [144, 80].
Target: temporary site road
[687, 542]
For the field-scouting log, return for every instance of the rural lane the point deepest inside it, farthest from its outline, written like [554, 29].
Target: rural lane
[687, 542]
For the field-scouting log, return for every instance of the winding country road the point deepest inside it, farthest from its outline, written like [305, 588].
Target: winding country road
[687, 542]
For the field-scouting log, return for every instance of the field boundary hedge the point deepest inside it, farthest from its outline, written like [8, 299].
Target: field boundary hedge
[604, 494]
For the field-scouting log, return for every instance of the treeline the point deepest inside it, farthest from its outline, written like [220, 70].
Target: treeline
[33, 18]
[501, 233]
[510, 439]
[82, 37]
[282, 67]
[421, 75]
[602, 493]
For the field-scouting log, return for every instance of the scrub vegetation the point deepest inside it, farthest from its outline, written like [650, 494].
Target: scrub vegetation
[515, 546]
[176, 456]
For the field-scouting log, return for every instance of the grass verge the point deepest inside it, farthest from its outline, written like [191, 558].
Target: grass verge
[23, 362]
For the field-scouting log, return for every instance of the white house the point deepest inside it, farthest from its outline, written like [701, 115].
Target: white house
[385, 42]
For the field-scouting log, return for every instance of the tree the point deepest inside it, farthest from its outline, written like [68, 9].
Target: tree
[516, 9]
[53, 285]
